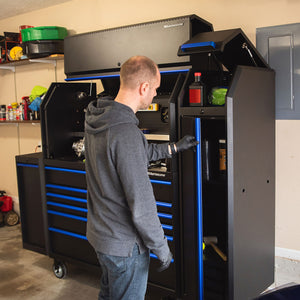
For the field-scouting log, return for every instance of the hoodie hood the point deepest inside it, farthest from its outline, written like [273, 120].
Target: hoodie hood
[104, 114]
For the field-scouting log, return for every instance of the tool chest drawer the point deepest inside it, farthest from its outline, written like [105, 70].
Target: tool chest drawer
[75, 246]
[65, 176]
[66, 220]
[67, 190]
[163, 190]
[71, 196]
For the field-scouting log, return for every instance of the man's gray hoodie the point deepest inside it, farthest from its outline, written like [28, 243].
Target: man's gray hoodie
[121, 205]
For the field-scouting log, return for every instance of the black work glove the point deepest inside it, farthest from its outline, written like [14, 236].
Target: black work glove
[185, 143]
[165, 264]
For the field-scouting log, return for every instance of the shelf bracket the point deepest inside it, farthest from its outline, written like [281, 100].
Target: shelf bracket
[11, 68]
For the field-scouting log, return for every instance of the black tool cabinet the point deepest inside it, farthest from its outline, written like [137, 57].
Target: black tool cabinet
[30, 188]
[196, 200]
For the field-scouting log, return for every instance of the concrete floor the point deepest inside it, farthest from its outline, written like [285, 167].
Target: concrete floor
[26, 274]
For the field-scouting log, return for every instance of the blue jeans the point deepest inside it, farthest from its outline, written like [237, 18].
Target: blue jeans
[124, 278]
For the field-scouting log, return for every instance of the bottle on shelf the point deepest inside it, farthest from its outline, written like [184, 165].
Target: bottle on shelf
[197, 91]
[10, 113]
[21, 112]
[222, 158]
[25, 101]
[3, 112]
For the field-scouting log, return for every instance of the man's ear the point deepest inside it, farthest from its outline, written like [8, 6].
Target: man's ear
[144, 87]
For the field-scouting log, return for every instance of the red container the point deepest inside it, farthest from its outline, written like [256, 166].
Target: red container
[7, 203]
[23, 27]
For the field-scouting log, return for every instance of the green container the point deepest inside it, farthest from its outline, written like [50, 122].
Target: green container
[44, 33]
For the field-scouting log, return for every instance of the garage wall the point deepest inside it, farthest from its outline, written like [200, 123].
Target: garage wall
[83, 16]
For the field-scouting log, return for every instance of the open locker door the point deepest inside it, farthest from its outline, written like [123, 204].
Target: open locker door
[251, 182]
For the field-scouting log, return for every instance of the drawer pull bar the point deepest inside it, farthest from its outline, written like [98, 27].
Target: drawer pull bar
[167, 216]
[160, 181]
[154, 256]
[169, 238]
[66, 188]
[169, 227]
[83, 237]
[164, 204]
[64, 170]
[66, 206]
[67, 197]
[66, 215]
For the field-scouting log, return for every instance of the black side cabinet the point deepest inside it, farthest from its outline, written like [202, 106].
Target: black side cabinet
[32, 209]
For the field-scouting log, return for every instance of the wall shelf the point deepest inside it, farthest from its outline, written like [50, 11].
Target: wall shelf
[46, 60]
[158, 137]
[19, 121]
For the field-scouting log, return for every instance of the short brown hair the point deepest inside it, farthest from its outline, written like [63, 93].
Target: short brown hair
[137, 70]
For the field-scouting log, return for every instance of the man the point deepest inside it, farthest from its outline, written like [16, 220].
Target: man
[122, 216]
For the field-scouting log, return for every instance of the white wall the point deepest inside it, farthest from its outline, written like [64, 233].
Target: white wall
[83, 16]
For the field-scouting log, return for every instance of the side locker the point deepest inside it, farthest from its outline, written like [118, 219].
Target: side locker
[30, 185]
[204, 210]
[227, 186]
[251, 181]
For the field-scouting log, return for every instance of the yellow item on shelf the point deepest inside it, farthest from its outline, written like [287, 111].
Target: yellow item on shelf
[16, 53]
[151, 107]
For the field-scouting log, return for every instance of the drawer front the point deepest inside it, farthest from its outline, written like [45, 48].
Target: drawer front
[71, 245]
[65, 176]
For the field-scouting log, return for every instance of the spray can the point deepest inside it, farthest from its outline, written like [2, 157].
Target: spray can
[10, 113]
[25, 101]
[3, 112]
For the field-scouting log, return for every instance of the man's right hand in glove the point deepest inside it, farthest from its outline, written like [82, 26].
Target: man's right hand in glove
[185, 143]
[165, 264]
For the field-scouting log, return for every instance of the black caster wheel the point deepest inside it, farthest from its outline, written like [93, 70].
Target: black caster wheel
[59, 269]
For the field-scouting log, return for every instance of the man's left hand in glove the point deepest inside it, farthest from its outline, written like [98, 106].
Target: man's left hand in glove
[165, 264]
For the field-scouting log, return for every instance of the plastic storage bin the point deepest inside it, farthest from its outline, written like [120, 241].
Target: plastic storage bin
[43, 33]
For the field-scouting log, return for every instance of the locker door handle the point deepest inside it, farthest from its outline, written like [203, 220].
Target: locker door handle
[199, 206]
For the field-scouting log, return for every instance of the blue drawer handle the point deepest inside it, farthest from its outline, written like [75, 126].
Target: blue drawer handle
[67, 197]
[83, 237]
[66, 188]
[160, 181]
[57, 213]
[164, 204]
[66, 206]
[64, 170]
[169, 227]
[154, 256]
[167, 216]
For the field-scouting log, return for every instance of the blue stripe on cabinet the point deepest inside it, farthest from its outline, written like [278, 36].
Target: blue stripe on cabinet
[66, 188]
[66, 206]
